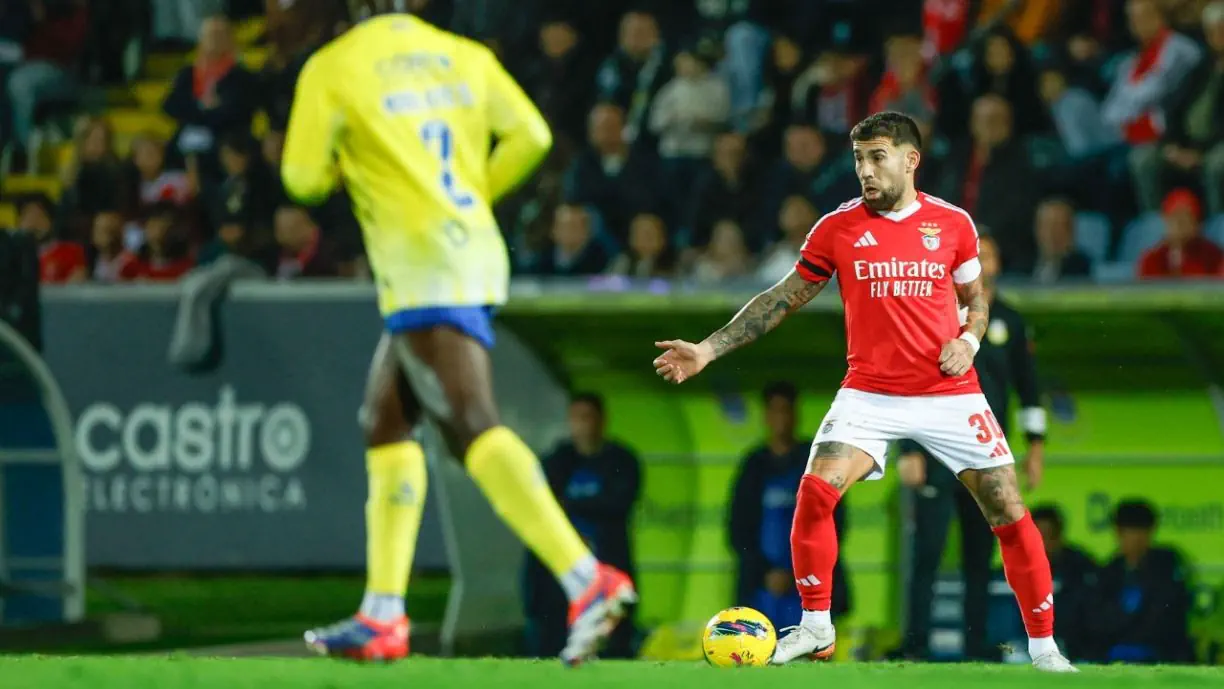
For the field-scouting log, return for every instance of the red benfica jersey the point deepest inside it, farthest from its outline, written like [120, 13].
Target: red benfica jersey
[896, 272]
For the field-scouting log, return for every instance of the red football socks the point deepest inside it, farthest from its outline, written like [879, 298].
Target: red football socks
[1028, 574]
[814, 542]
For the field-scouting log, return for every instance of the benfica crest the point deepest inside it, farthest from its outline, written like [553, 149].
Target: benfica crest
[930, 235]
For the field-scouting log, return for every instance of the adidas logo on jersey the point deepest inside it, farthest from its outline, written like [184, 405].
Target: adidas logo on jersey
[809, 580]
[1000, 450]
[866, 240]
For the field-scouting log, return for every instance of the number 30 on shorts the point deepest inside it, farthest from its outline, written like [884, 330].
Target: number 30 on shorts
[987, 426]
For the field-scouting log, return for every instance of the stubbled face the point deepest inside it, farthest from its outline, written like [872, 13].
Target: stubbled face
[885, 171]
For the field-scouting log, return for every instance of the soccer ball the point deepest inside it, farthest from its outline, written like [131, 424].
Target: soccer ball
[738, 637]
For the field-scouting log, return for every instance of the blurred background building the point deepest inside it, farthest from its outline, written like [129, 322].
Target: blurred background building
[697, 143]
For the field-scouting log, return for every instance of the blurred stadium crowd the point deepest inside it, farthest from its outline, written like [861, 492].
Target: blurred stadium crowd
[698, 139]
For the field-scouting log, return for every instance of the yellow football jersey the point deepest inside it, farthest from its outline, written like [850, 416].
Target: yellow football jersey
[406, 114]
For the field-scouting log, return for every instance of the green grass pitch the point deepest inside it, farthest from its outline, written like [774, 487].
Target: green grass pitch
[173, 672]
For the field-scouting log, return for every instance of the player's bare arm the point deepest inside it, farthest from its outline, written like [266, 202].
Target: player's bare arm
[956, 358]
[683, 360]
[997, 493]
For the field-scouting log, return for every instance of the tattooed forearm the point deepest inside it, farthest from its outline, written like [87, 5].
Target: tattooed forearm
[973, 296]
[764, 313]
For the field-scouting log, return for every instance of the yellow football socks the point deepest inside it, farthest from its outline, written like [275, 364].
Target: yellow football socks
[511, 478]
[398, 481]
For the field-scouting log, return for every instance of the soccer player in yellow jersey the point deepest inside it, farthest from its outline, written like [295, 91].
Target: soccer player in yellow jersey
[404, 113]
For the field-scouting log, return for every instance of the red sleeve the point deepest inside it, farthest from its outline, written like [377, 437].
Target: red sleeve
[966, 242]
[816, 258]
[132, 268]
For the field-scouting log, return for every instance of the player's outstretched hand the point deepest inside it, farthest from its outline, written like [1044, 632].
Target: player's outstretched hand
[956, 358]
[682, 360]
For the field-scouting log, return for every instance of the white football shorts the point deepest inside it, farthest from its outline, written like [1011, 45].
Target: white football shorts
[959, 430]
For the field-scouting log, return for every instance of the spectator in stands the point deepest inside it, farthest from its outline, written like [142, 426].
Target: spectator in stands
[786, 63]
[149, 182]
[560, 79]
[1057, 255]
[832, 92]
[904, 86]
[58, 261]
[211, 97]
[1142, 610]
[576, 251]
[1002, 66]
[634, 73]
[795, 220]
[990, 176]
[743, 29]
[725, 257]
[49, 70]
[1193, 143]
[727, 190]
[93, 177]
[1183, 253]
[247, 190]
[162, 256]
[1143, 82]
[1076, 115]
[300, 250]
[687, 114]
[808, 169]
[615, 179]
[762, 507]
[597, 481]
[650, 253]
[108, 259]
[1075, 581]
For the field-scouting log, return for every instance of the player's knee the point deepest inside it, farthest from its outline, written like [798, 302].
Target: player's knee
[465, 434]
[380, 428]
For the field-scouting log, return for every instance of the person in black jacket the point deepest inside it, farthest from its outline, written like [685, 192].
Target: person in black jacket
[1143, 605]
[209, 98]
[762, 508]
[1004, 363]
[1075, 584]
[597, 483]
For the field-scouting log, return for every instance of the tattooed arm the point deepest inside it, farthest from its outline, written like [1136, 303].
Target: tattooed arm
[763, 313]
[973, 296]
[956, 358]
[683, 360]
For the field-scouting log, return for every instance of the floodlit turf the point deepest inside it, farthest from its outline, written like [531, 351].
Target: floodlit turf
[133, 672]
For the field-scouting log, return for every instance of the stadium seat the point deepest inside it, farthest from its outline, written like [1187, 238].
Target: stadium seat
[248, 32]
[16, 185]
[1214, 229]
[150, 94]
[1092, 235]
[1113, 271]
[1140, 235]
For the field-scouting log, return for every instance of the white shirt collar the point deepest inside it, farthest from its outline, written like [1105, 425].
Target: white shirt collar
[898, 216]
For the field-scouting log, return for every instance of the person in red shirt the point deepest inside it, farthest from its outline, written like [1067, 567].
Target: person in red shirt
[58, 261]
[904, 261]
[1183, 253]
[162, 257]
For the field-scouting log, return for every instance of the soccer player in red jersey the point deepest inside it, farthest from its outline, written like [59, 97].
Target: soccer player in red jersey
[905, 261]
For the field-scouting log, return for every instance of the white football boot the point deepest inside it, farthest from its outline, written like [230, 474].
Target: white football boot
[1053, 662]
[814, 644]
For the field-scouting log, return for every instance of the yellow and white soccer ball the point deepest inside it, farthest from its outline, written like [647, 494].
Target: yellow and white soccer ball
[739, 637]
